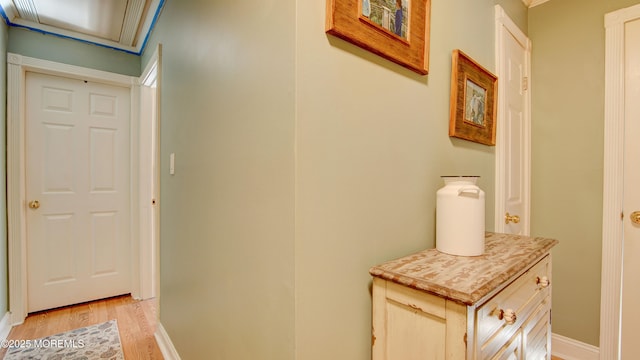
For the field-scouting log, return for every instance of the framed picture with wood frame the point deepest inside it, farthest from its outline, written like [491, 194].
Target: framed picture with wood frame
[473, 103]
[397, 30]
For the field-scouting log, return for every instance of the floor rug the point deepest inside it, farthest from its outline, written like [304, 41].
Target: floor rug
[101, 341]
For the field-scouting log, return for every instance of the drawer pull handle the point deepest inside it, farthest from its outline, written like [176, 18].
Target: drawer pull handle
[543, 281]
[509, 316]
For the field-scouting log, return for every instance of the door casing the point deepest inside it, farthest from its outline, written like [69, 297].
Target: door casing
[149, 145]
[613, 184]
[17, 66]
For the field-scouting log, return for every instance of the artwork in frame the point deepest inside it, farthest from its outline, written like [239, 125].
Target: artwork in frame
[390, 15]
[473, 103]
[397, 30]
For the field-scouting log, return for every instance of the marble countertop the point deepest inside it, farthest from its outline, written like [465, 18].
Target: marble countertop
[466, 279]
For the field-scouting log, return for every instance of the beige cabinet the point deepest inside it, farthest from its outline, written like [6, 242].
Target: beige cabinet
[511, 319]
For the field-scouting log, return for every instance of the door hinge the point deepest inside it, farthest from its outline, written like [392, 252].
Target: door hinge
[525, 83]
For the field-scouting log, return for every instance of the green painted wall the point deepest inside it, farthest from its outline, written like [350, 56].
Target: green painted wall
[372, 142]
[48, 47]
[227, 215]
[567, 137]
[517, 11]
[301, 161]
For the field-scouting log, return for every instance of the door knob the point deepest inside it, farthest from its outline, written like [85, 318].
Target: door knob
[34, 204]
[512, 218]
[635, 217]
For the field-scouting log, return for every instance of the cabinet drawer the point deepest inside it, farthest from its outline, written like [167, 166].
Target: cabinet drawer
[522, 297]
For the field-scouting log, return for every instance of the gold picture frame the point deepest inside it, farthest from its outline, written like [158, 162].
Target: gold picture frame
[473, 103]
[373, 25]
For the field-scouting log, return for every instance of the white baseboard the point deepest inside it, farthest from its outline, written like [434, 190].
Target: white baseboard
[164, 343]
[5, 326]
[570, 349]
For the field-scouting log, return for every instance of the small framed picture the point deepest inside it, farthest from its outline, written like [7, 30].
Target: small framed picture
[473, 103]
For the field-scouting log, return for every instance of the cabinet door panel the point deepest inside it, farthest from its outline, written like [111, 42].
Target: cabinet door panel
[510, 351]
[413, 334]
[538, 334]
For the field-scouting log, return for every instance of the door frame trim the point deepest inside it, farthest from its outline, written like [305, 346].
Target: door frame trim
[17, 67]
[149, 254]
[612, 204]
[503, 23]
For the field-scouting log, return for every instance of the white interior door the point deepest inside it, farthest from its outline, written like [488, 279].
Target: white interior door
[513, 128]
[631, 202]
[148, 192]
[77, 191]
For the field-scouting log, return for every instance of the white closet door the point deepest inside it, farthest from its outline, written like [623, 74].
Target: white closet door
[78, 175]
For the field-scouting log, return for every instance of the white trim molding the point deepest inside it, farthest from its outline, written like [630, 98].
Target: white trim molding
[16, 227]
[570, 349]
[17, 67]
[167, 349]
[612, 230]
[5, 326]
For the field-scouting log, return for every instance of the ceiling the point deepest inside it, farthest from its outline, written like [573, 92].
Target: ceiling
[120, 24]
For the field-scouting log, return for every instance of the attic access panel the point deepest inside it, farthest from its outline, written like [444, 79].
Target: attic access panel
[100, 18]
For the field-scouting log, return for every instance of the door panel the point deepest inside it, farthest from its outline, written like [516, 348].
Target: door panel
[631, 202]
[77, 161]
[60, 262]
[513, 132]
[101, 160]
[103, 241]
[515, 100]
[58, 171]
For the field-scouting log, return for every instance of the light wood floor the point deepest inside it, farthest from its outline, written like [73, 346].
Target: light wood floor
[136, 322]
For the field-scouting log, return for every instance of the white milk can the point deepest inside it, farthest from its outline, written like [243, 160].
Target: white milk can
[460, 217]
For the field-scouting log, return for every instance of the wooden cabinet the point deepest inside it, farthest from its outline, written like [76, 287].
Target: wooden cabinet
[437, 306]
